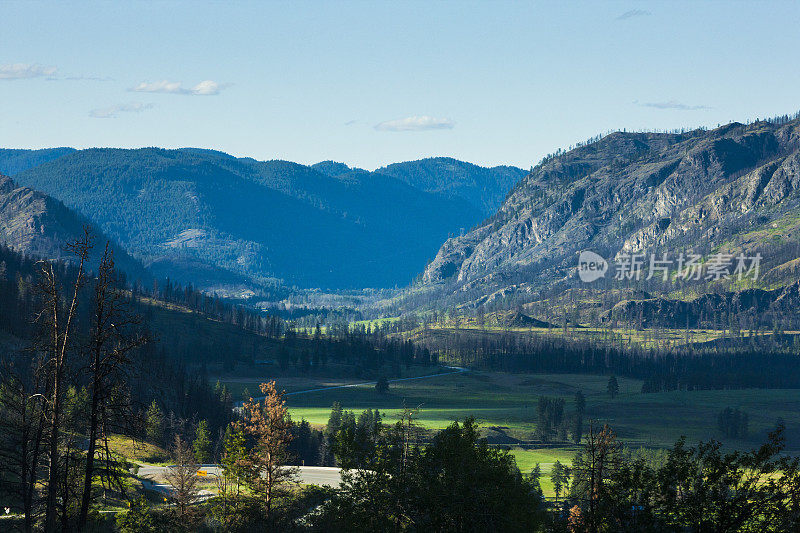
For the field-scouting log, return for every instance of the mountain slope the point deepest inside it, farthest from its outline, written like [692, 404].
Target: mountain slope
[13, 161]
[263, 220]
[735, 188]
[484, 188]
[39, 226]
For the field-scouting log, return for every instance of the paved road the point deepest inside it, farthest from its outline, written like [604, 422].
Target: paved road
[308, 475]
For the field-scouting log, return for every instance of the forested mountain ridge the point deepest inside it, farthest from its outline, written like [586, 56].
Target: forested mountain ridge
[259, 220]
[482, 187]
[733, 189]
[13, 161]
[39, 226]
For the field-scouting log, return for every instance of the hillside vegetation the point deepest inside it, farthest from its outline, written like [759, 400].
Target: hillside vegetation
[209, 218]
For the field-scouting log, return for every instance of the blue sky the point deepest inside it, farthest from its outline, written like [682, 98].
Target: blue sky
[371, 83]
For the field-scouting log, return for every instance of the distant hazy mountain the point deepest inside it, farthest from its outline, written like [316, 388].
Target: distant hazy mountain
[179, 209]
[484, 188]
[13, 161]
[735, 188]
[39, 226]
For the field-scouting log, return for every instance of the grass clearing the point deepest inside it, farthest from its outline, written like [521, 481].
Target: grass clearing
[505, 408]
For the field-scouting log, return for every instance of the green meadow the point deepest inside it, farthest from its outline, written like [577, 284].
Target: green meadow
[505, 407]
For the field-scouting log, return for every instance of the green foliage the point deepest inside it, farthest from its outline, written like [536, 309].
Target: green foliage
[698, 488]
[138, 519]
[234, 452]
[154, 423]
[202, 443]
[355, 441]
[382, 386]
[438, 487]
[560, 477]
[577, 419]
[733, 423]
[550, 421]
[613, 387]
[246, 217]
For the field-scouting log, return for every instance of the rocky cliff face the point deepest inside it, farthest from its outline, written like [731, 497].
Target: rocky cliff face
[632, 192]
[40, 226]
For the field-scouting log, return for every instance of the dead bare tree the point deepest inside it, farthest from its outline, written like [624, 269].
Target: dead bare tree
[112, 337]
[58, 323]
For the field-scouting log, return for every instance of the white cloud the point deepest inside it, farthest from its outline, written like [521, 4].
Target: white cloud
[672, 104]
[204, 88]
[207, 88]
[634, 13]
[416, 123]
[112, 111]
[21, 71]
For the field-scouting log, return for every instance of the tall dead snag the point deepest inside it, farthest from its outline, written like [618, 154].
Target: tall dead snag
[112, 337]
[267, 421]
[58, 322]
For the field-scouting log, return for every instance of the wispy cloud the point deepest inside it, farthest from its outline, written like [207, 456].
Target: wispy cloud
[672, 104]
[84, 78]
[416, 123]
[21, 71]
[114, 110]
[204, 88]
[634, 13]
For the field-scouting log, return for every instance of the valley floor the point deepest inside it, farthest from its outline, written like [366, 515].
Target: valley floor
[505, 407]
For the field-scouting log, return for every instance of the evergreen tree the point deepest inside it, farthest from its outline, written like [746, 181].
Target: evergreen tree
[154, 424]
[580, 408]
[559, 476]
[613, 387]
[137, 519]
[202, 443]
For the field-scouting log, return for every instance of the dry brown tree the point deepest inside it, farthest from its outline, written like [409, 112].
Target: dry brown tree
[266, 420]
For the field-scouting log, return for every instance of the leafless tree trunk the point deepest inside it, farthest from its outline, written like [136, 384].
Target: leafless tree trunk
[109, 345]
[60, 337]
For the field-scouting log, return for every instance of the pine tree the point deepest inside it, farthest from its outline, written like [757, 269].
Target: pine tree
[613, 387]
[580, 408]
[183, 475]
[202, 443]
[560, 478]
[154, 424]
[382, 386]
[268, 423]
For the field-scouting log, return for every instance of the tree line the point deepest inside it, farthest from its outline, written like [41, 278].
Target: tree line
[84, 370]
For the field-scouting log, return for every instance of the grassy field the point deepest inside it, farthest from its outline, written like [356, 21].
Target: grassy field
[505, 407]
